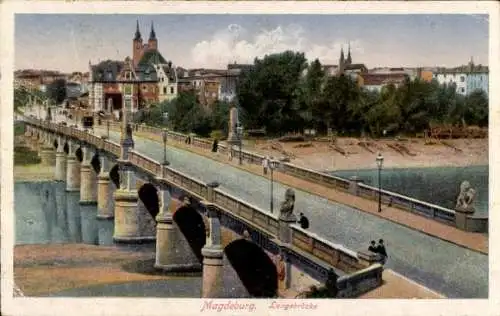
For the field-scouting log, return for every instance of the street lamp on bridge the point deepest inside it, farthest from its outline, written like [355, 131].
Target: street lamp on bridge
[273, 164]
[164, 134]
[107, 127]
[239, 131]
[380, 162]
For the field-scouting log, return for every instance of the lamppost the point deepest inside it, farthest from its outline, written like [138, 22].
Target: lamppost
[380, 162]
[273, 164]
[164, 134]
[239, 130]
[107, 127]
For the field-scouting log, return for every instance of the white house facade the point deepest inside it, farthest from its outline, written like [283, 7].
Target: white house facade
[167, 82]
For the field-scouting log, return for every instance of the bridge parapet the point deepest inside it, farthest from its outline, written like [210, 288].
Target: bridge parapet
[406, 203]
[307, 250]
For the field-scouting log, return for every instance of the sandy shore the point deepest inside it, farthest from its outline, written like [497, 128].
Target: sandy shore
[412, 153]
[34, 173]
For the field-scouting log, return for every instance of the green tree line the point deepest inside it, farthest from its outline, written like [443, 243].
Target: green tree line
[283, 93]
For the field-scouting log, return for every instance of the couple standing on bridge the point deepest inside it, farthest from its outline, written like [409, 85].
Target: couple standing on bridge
[379, 249]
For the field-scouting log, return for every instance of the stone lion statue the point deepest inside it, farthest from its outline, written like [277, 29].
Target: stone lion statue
[286, 210]
[466, 196]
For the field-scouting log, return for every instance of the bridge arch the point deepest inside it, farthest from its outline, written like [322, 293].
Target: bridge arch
[96, 163]
[114, 175]
[192, 226]
[79, 154]
[148, 194]
[66, 148]
[255, 269]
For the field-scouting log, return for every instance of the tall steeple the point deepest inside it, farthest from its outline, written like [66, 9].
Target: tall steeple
[152, 42]
[137, 36]
[349, 59]
[341, 61]
[152, 34]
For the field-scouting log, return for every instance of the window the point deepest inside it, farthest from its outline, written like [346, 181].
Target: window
[172, 90]
[145, 88]
[462, 78]
[462, 90]
[164, 90]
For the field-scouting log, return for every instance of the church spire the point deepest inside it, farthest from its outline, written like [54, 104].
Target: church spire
[152, 34]
[137, 32]
[349, 59]
[342, 55]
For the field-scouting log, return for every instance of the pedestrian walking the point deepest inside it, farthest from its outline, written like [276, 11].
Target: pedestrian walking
[382, 251]
[303, 221]
[215, 146]
[265, 164]
[230, 153]
[373, 246]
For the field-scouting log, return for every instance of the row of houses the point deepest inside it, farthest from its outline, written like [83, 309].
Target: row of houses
[38, 79]
[148, 77]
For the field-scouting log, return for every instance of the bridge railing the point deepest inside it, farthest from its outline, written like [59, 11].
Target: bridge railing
[146, 163]
[186, 182]
[331, 253]
[334, 254]
[112, 147]
[406, 203]
[265, 221]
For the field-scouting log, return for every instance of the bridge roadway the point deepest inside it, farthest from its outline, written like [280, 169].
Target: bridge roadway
[444, 267]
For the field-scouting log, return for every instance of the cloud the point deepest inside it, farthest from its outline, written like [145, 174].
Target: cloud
[235, 44]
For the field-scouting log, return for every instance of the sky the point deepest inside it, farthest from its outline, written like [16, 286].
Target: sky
[68, 42]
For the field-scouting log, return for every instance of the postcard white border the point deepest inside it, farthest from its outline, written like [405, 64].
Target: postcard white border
[153, 306]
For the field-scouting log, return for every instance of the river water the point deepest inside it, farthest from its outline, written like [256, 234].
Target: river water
[46, 214]
[438, 186]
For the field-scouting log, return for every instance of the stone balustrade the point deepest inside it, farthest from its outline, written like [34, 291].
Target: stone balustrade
[435, 212]
[320, 253]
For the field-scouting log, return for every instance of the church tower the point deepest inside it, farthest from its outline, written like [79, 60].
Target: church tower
[349, 59]
[152, 42]
[137, 48]
[341, 61]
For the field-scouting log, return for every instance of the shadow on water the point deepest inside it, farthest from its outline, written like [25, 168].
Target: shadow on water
[46, 214]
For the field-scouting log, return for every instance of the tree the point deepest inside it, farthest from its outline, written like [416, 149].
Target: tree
[56, 91]
[476, 108]
[309, 96]
[267, 92]
[21, 98]
[219, 119]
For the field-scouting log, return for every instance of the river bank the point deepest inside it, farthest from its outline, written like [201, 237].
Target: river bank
[351, 153]
[34, 173]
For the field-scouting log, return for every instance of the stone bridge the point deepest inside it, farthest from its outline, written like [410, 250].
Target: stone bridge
[195, 224]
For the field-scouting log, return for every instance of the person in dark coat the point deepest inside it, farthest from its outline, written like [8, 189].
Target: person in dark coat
[215, 146]
[372, 247]
[331, 283]
[303, 221]
[381, 250]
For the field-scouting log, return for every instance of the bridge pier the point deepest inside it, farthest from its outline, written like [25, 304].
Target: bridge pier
[33, 140]
[88, 186]
[73, 169]
[212, 257]
[104, 210]
[173, 252]
[60, 160]
[47, 153]
[128, 221]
